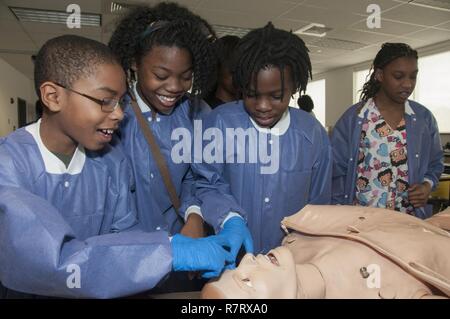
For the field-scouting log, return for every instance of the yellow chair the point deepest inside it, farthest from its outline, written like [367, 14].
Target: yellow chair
[440, 197]
[442, 191]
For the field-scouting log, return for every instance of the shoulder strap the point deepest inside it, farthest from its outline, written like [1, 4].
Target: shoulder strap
[156, 152]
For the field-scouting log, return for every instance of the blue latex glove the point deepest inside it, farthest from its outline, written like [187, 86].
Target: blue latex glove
[199, 254]
[233, 235]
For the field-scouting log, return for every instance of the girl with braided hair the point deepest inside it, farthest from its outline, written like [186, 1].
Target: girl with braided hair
[271, 65]
[392, 133]
[165, 51]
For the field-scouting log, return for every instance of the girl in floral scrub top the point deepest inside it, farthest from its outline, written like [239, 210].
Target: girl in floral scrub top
[387, 150]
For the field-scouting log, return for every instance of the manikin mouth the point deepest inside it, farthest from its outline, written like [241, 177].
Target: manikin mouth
[273, 259]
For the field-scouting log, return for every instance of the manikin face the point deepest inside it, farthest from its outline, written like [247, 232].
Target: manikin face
[164, 76]
[268, 102]
[264, 276]
[398, 79]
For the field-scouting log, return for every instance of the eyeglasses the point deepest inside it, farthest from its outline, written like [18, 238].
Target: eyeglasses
[108, 105]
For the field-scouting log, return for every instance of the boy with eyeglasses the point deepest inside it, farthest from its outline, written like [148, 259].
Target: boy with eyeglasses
[68, 225]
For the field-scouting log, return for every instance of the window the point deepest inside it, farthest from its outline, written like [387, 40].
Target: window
[316, 90]
[432, 87]
[359, 78]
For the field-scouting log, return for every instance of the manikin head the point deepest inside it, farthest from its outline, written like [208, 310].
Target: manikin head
[264, 276]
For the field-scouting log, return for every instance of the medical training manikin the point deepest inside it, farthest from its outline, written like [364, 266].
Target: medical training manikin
[347, 252]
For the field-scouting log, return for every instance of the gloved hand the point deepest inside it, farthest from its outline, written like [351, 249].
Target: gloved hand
[199, 254]
[233, 235]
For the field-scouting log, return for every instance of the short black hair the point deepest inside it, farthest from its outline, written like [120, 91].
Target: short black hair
[306, 103]
[266, 47]
[388, 53]
[67, 58]
[167, 24]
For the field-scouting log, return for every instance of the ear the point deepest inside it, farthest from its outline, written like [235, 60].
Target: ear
[51, 96]
[379, 75]
[134, 66]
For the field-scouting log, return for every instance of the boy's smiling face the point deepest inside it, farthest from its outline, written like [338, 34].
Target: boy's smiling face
[79, 120]
[265, 104]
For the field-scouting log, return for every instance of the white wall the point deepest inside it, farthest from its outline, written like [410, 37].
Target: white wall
[339, 93]
[14, 84]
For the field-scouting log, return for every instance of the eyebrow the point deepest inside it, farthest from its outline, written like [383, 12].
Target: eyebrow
[168, 70]
[400, 71]
[107, 89]
[251, 91]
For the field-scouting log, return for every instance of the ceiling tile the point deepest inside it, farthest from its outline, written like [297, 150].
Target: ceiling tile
[354, 6]
[254, 7]
[16, 41]
[445, 25]
[417, 15]
[358, 36]
[431, 35]
[388, 27]
[41, 38]
[60, 5]
[288, 25]
[54, 28]
[321, 15]
[414, 43]
[228, 18]
[5, 13]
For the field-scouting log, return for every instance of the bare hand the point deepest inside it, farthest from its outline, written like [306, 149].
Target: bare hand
[418, 194]
[194, 227]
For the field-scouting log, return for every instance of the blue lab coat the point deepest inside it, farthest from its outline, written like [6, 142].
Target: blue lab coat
[304, 174]
[57, 222]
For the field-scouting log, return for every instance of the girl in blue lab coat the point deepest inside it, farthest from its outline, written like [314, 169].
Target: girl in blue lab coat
[284, 161]
[387, 149]
[165, 51]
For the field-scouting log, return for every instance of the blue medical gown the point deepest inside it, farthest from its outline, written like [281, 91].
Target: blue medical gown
[155, 209]
[51, 221]
[304, 176]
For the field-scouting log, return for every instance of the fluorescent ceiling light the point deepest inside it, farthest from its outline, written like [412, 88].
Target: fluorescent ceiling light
[53, 16]
[222, 30]
[313, 29]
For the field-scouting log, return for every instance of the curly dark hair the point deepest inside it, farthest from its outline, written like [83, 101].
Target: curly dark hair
[224, 48]
[67, 58]
[306, 103]
[167, 24]
[269, 46]
[388, 53]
